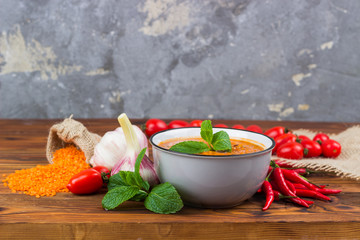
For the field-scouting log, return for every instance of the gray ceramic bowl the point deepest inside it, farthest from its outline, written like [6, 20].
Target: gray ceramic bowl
[212, 181]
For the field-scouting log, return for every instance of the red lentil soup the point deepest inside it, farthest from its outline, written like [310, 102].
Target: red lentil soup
[239, 146]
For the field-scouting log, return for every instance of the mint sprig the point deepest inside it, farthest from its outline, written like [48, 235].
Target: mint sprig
[192, 147]
[129, 186]
[163, 193]
[219, 141]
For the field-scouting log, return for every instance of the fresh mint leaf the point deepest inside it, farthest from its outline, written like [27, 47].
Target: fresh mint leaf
[192, 147]
[139, 196]
[129, 178]
[118, 195]
[164, 198]
[116, 181]
[206, 131]
[140, 182]
[221, 141]
[137, 165]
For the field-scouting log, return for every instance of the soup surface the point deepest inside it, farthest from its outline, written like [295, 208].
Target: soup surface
[239, 146]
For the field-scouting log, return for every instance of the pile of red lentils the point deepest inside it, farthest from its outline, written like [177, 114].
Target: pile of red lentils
[47, 180]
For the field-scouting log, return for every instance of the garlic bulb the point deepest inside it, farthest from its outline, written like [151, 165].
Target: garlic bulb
[112, 147]
[127, 161]
[118, 150]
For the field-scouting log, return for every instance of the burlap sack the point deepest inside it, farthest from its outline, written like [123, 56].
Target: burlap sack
[71, 131]
[347, 164]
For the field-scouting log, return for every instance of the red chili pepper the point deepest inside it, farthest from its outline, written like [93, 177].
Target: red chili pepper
[300, 171]
[299, 186]
[267, 189]
[274, 186]
[295, 177]
[312, 194]
[284, 189]
[291, 186]
[308, 202]
[282, 164]
[277, 195]
[327, 191]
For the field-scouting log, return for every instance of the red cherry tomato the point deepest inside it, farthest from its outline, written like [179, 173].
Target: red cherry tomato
[311, 148]
[291, 150]
[321, 137]
[85, 182]
[195, 123]
[282, 139]
[154, 125]
[221, 125]
[331, 148]
[104, 171]
[177, 124]
[254, 128]
[275, 132]
[238, 126]
[303, 137]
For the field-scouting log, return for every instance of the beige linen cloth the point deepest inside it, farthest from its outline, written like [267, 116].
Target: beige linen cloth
[73, 132]
[347, 164]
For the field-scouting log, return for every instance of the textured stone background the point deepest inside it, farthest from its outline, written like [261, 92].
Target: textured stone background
[254, 59]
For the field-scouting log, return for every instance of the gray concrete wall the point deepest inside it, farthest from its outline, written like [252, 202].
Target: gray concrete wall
[236, 59]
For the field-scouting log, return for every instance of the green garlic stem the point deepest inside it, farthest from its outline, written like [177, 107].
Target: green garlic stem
[129, 132]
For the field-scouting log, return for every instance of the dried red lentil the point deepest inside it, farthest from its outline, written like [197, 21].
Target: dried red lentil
[47, 180]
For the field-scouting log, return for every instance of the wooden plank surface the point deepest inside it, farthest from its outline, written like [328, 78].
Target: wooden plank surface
[67, 216]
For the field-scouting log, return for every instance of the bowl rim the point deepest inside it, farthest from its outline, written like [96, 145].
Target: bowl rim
[213, 156]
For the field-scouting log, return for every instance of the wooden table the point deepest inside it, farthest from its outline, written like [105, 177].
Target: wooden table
[64, 216]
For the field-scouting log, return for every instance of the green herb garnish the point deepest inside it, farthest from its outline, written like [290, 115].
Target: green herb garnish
[219, 141]
[126, 185]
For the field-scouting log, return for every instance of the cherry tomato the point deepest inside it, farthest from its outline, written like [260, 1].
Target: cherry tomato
[238, 126]
[254, 128]
[311, 148]
[303, 137]
[331, 148]
[85, 182]
[282, 139]
[195, 123]
[104, 171]
[291, 150]
[154, 125]
[321, 137]
[177, 124]
[221, 125]
[275, 132]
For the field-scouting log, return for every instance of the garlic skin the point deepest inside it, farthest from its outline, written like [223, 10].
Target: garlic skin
[147, 170]
[112, 147]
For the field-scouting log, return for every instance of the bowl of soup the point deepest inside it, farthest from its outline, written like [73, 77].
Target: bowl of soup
[213, 179]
